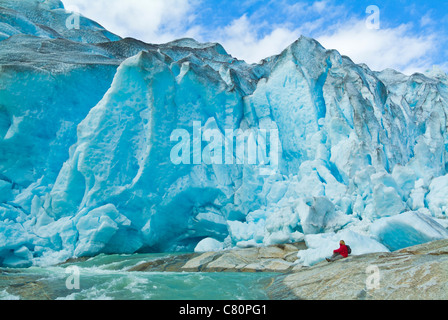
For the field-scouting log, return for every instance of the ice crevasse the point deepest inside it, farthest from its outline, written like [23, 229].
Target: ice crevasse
[87, 143]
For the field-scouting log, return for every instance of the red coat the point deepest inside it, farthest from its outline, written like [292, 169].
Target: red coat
[342, 251]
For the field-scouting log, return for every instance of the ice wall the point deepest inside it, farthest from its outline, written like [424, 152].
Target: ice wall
[112, 145]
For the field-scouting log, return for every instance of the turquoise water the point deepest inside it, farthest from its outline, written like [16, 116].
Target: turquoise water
[106, 278]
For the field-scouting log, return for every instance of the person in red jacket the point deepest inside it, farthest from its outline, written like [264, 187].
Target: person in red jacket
[340, 253]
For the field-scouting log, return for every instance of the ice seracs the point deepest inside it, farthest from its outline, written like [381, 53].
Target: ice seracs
[86, 127]
[407, 229]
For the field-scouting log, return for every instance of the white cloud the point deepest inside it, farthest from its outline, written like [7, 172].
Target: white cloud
[394, 48]
[159, 21]
[399, 48]
[241, 40]
[426, 20]
[241, 37]
[153, 21]
[320, 6]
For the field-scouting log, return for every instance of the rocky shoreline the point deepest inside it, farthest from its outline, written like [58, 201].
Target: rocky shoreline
[277, 259]
[415, 273]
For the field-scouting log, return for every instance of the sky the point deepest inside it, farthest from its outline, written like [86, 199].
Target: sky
[408, 36]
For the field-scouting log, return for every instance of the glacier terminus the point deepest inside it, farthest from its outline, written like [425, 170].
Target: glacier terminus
[112, 145]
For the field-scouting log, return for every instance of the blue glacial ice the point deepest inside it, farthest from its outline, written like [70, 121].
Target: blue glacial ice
[89, 123]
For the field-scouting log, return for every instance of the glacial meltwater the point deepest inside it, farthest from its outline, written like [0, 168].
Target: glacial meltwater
[107, 277]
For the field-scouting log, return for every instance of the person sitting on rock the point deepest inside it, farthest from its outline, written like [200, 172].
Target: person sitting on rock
[340, 253]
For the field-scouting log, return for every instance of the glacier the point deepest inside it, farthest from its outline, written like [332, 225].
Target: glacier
[86, 146]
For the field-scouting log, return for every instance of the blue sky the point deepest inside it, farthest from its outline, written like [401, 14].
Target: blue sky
[412, 35]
